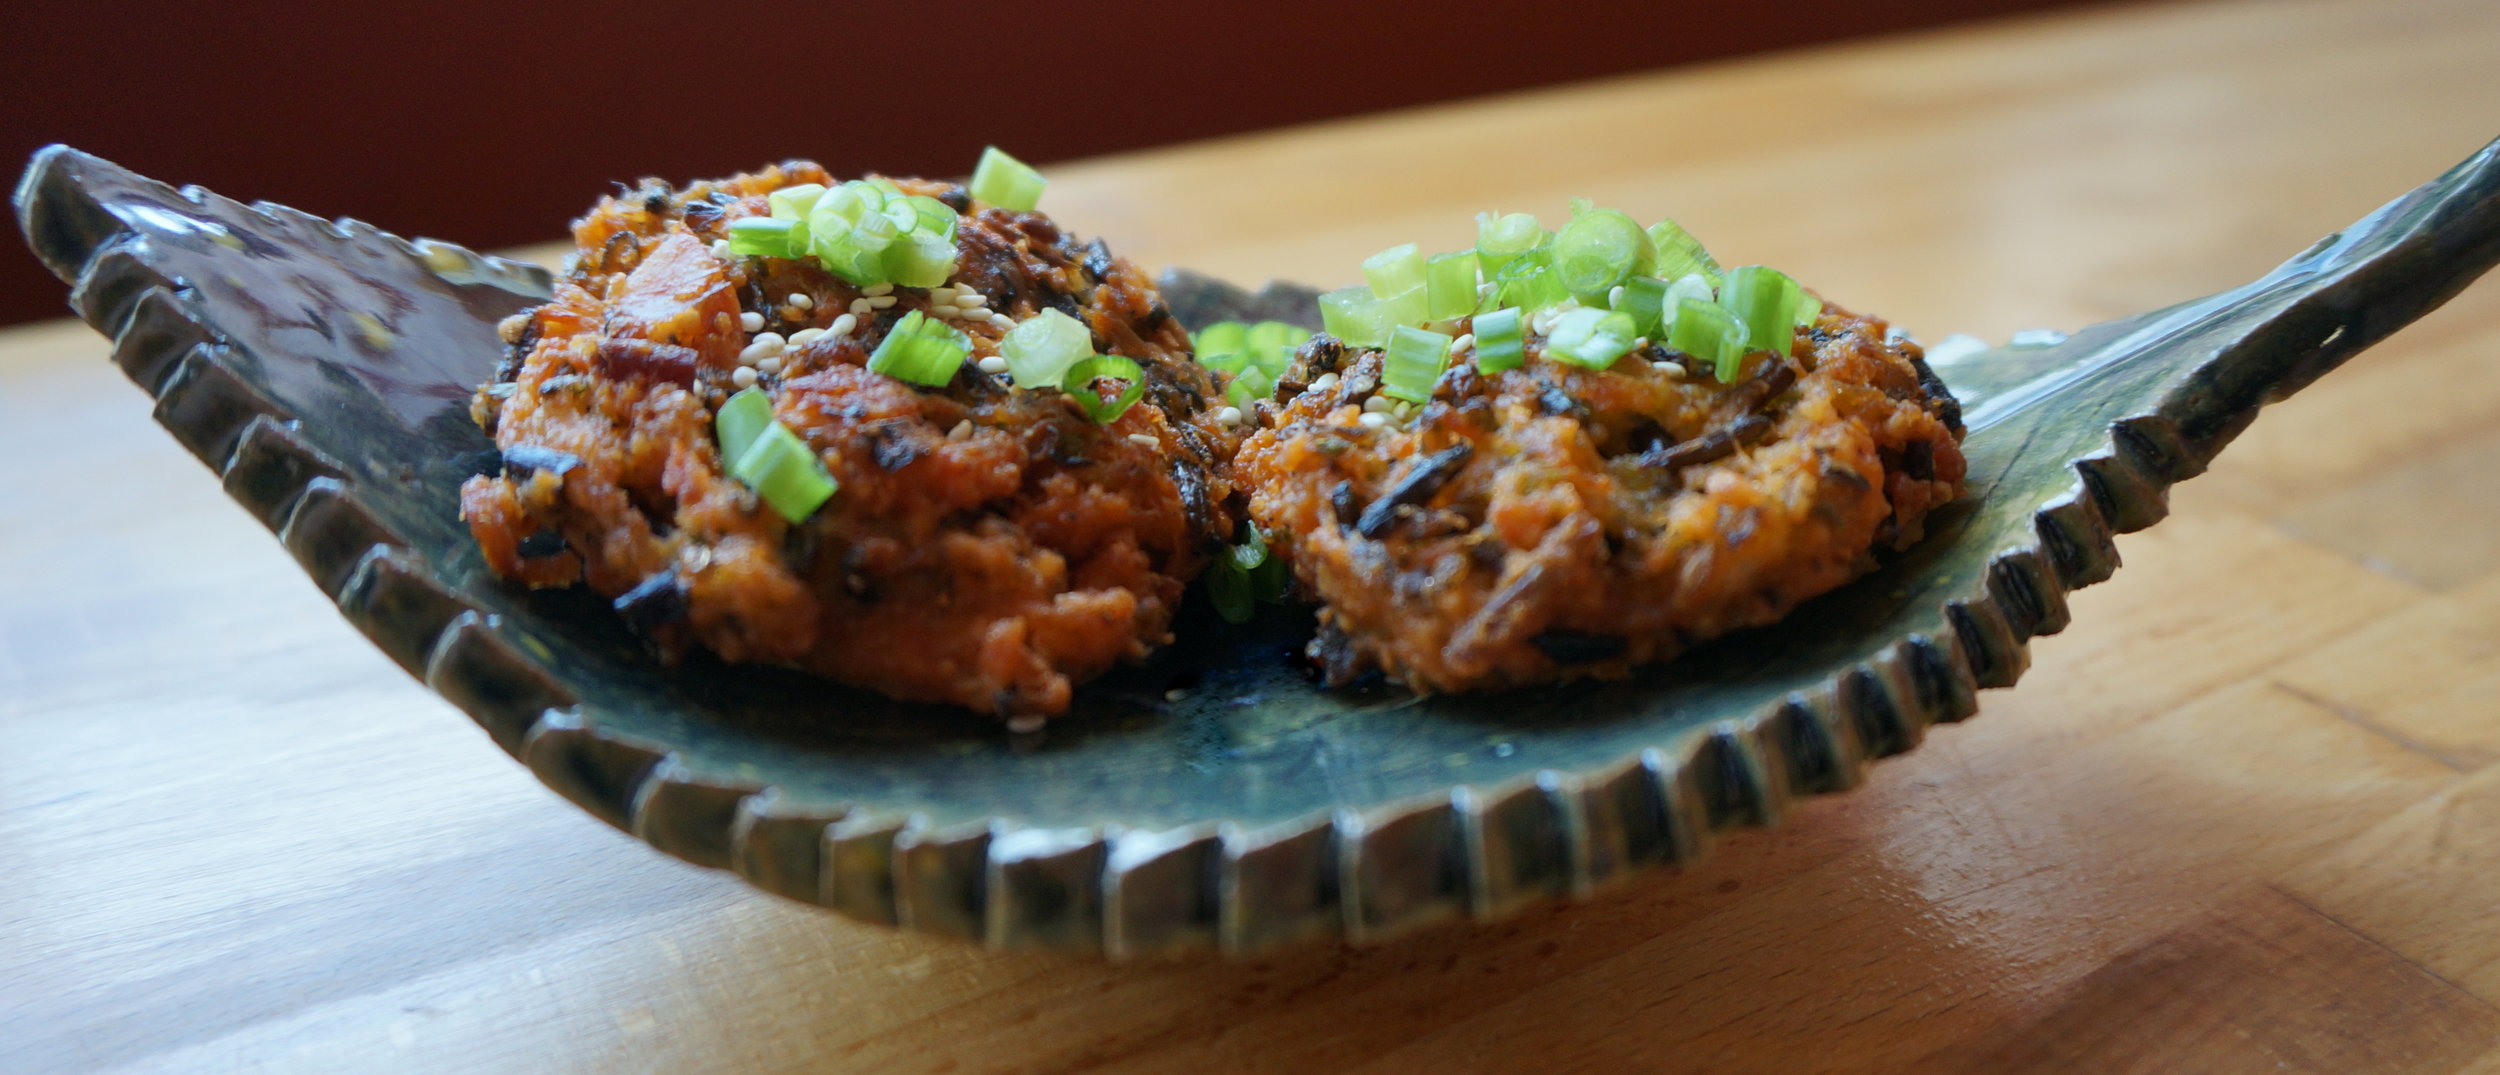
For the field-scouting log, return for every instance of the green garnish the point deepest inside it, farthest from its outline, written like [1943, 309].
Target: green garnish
[761, 452]
[1501, 343]
[1499, 239]
[1414, 363]
[1006, 182]
[1104, 411]
[922, 351]
[1042, 348]
[1590, 337]
[1708, 332]
[1355, 315]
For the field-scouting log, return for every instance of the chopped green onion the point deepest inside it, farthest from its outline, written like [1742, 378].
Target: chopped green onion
[1271, 345]
[1708, 332]
[1395, 271]
[785, 472]
[920, 259]
[1269, 580]
[741, 418]
[1355, 315]
[1765, 301]
[1080, 384]
[921, 351]
[1591, 337]
[1598, 249]
[1450, 285]
[935, 217]
[1251, 551]
[1645, 297]
[1410, 307]
[792, 202]
[1499, 239]
[1249, 386]
[761, 237]
[1414, 363]
[1219, 340]
[1228, 589]
[1006, 182]
[1679, 254]
[1247, 573]
[1501, 344]
[1807, 310]
[1042, 348]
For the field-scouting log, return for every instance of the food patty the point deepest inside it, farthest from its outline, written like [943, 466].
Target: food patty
[988, 546]
[1552, 521]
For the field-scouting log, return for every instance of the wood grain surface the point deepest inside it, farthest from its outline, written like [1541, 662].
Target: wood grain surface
[2243, 816]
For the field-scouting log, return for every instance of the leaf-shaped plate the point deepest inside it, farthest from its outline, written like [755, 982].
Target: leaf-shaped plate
[1212, 798]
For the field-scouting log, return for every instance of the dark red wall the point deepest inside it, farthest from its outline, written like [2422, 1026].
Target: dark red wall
[493, 123]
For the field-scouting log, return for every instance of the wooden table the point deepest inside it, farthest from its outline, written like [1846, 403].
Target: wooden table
[2242, 816]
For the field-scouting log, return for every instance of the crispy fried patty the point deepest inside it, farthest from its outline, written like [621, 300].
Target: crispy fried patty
[1553, 522]
[988, 547]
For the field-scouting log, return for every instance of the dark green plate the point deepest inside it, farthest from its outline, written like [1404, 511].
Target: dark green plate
[323, 370]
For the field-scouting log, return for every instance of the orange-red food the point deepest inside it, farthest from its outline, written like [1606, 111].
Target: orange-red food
[1554, 522]
[988, 547]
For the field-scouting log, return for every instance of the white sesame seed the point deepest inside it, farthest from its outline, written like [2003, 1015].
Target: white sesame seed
[1614, 297]
[720, 249]
[862, 307]
[1374, 419]
[1673, 370]
[943, 310]
[942, 295]
[972, 299]
[1230, 416]
[1175, 694]
[880, 301]
[1024, 725]
[874, 290]
[962, 430]
[842, 325]
[1403, 411]
[770, 365]
[1379, 404]
[1466, 341]
[993, 364]
[1326, 382]
[1003, 322]
[751, 321]
[1147, 439]
[806, 336]
[754, 353]
[1640, 343]
[802, 300]
[743, 377]
[769, 340]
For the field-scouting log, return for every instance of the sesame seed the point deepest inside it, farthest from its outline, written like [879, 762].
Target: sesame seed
[880, 301]
[1024, 725]
[971, 299]
[1373, 419]
[1147, 439]
[802, 300]
[770, 340]
[751, 321]
[1379, 405]
[842, 325]
[1003, 322]
[1640, 343]
[943, 310]
[743, 377]
[874, 290]
[1614, 297]
[862, 307]
[770, 365]
[720, 249]
[754, 353]
[993, 364]
[942, 295]
[962, 430]
[1673, 370]
[1230, 416]
[806, 336]
[1466, 341]
[1403, 411]
[1326, 382]
[1720, 481]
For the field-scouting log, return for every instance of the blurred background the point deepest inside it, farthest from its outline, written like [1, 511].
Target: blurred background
[494, 123]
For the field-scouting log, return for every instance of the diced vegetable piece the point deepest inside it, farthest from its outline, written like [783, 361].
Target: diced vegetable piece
[920, 259]
[1414, 363]
[1499, 239]
[1271, 344]
[1590, 337]
[1645, 298]
[1355, 315]
[1679, 254]
[1765, 302]
[1501, 341]
[741, 418]
[785, 472]
[1006, 182]
[1395, 271]
[1598, 249]
[792, 202]
[921, 351]
[1042, 348]
[1250, 385]
[1450, 285]
[1219, 340]
[1104, 411]
[1708, 332]
[760, 237]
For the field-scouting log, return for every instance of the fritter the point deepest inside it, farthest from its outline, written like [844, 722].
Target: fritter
[989, 546]
[1553, 522]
